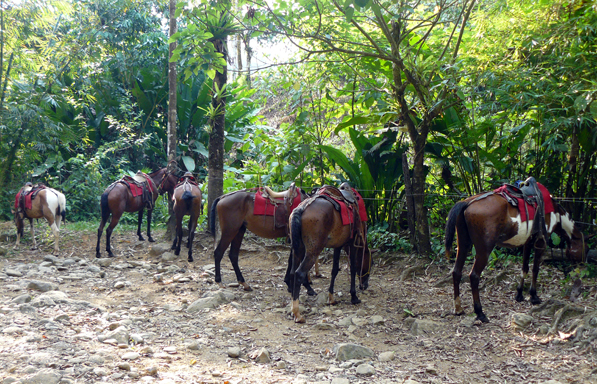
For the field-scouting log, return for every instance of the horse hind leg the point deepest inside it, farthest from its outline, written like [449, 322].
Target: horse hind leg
[335, 270]
[139, 221]
[113, 223]
[536, 264]
[33, 233]
[526, 252]
[463, 249]
[233, 256]
[475, 276]
[192, 228]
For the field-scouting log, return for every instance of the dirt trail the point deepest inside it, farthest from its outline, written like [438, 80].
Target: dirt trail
[404, 318]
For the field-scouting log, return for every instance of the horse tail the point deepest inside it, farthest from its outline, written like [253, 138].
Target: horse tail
[105, 207]
[212, 216]
[62, 206]
[455, 212]
[188, 197]
[296, 225]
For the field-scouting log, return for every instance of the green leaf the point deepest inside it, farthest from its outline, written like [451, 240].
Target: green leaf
[189, 163]
[353, 121]
[555, 239]
[211, 73]
[580, 104]
[349, 12]
[361, 3]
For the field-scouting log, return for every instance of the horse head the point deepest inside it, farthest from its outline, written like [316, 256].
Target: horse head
[365, 260]
[165, 180]
[577, 247]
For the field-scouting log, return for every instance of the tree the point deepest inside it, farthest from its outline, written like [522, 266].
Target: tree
[416, 50]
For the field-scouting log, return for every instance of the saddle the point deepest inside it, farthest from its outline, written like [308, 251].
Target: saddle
[187, 178]
[26, 195]
[140, 185]
[282, 202]
[345, 195]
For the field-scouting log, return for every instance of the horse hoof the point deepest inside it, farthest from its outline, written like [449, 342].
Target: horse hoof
[319, 276]
[535, 300]
[97, 255]
[520, 298]
[177, 252]
[312, 292]
[299, 319]
[483, 318]
[247, 287]
[355, 301]
[190, 259]
[150, 239]
[141, 238]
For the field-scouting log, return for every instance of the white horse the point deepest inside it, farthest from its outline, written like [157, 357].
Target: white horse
[48, 203]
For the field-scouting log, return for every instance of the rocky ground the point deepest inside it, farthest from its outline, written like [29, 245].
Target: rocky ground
[148, 317]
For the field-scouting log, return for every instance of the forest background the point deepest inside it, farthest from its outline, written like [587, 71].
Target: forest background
[471, 94]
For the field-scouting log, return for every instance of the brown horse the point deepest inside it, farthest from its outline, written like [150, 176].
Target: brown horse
[314, 225]
[235, 215]
[187, 201]
[489, 221]
[118, 198]
[48, 203]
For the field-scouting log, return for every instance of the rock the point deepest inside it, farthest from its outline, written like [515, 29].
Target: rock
[281, 364]
[345, 322]
[324, 326]
[12, 330]
[101, 372]
[151, 371]
[359, 321]
[52, 259]
[340, 380]
[193, 345]
[42, 286]
[411, 381]
[124, 366]
[22, 299]
[213, 300]
[9, 380]
[130, 356]
[421, 327]
[45, 376]
[104, 261]
[169, 256]
[387, 356]
[365, 370]
[348, 351]
[430, 369]
[120, 334]
[234, 352]
[521, 320]
[377, 320]
[160, 248]
[261, 356]
[94, 269]
[13, 272]
[170, 350]
[551, 382]
[119, 285]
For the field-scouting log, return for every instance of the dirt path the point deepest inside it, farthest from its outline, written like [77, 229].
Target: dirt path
[134, 319]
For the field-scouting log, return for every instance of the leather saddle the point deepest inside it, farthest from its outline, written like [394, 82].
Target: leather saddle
[144, 182]
[26, 195]
[282, 201]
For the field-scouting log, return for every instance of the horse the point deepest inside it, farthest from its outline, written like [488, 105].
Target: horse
[187, 201]
[235, 214]
[118, 198]
[48, 203]
[488, 220]
[316, 224]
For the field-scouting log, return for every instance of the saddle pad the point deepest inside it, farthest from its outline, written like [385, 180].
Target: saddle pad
[30, 195]
[345, 212]
[135, 189]
[547, 202]
[263, 207]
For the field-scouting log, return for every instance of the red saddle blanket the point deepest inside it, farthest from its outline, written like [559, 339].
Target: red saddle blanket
[263, 207]
[346, 212]
[547, 202]
[135, 189]
[29, 196]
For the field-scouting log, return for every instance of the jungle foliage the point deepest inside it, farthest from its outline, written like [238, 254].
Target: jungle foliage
[475, 93]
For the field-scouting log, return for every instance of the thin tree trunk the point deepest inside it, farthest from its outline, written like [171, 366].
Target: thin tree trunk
[410, 204]
[215, 187]
[249, 55]
[172, 118]
[422, 225]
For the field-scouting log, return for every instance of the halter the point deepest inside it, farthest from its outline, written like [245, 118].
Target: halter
[161, 185]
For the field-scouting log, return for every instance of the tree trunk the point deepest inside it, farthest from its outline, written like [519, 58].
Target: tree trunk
[422, 224]
[249, 55]
[170, 227]
[410, 204]
[215, 187]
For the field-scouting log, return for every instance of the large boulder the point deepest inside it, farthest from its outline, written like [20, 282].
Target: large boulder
[347, 351]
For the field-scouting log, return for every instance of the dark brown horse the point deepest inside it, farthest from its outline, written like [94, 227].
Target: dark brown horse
[187, 201]
[118, 198]
[47, 203]
[491, 221]
[314, 225]
[235, 215]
